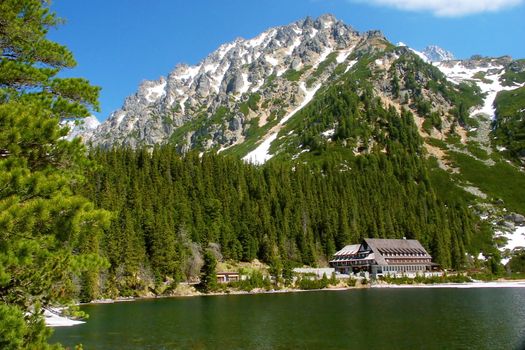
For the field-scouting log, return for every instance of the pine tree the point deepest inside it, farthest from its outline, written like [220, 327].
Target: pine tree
[42, 221]
[208, 273]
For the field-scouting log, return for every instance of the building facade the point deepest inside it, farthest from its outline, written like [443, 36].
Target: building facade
[384, 257]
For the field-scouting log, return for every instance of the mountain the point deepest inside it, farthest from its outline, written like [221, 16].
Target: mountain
[317, 91]
[85, 127]
[436, 54]
[239, 97]
[288, 146]
[243, 85]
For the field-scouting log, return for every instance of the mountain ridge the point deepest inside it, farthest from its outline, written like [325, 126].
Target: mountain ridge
[230, 94]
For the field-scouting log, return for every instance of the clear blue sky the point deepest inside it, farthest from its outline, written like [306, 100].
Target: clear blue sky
[119, 43]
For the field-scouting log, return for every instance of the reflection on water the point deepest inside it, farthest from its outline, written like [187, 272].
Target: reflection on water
[372, 319]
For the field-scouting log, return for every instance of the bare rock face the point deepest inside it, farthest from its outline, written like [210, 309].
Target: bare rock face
[212, 95]
[436, 54]
[517, 219]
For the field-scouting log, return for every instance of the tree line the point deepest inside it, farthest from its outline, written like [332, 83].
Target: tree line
[168, 208]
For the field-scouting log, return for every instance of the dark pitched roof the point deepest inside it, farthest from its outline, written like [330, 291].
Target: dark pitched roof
[383, 247]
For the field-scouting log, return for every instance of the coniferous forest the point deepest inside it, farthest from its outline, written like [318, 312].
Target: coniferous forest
[164, 204]
[168, 208]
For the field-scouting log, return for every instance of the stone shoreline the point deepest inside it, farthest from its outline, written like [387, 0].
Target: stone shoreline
[492, 284]
[477, 284]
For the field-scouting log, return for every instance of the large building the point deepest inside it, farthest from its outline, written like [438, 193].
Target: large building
[381, 257]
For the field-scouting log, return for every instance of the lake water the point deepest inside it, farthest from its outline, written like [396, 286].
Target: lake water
[480, 318]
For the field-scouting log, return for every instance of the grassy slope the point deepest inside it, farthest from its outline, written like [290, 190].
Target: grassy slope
[501, 181]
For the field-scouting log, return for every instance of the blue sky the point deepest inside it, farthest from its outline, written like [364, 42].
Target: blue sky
[119, 43]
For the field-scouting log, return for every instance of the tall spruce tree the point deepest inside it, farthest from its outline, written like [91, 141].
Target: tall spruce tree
[42, 221]
[208, 273]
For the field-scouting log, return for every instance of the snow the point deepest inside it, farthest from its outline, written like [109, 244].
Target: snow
[420, 54]
[245, 84]
[91, 122]
[328, 133]
[81, 127]
[261, 154]
[190, 73]
[119, 116]
[242, 52]
[328, 24]
[401, 44]
[256, 55]
[218, 77]
[52, 319]
[379, 62]
[296, 42]
[313, 33]
[257, 40]
[309, 95]
[256, 87]
[323, 56]
[211, 67]
[491, 89]
[182, 104]
[224, 49]
[297, 31]
[343, 55]
[155, 92]
[271, 60]
[515, 239]
[350, 65]
[281, 72]
[481, 257]
[458, 73]
[295, 156]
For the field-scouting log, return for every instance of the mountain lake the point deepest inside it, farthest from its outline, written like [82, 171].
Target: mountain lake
[383, 318]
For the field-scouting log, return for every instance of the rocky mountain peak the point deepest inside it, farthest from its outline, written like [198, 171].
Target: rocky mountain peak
[436, 54]
[227, 78]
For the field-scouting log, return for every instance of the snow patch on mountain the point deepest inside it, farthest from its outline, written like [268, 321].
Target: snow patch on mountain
[262, 153]
[155, 92]
[350, 65]
[420, 54]
[437, 54]
[81, 127]
[224, 49]
[309, 95]
[245, 84]
[257, 40]
[343, 55]
[296, 43]
[431, 53]
[490, 84]
[271, 60]
[515, 239]
[327, 51]
[189, 72]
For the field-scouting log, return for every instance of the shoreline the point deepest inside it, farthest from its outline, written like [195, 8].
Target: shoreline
[465, 285]
[475, 284]
[60, 321]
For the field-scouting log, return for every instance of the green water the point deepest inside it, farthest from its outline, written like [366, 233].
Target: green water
[484, 318]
